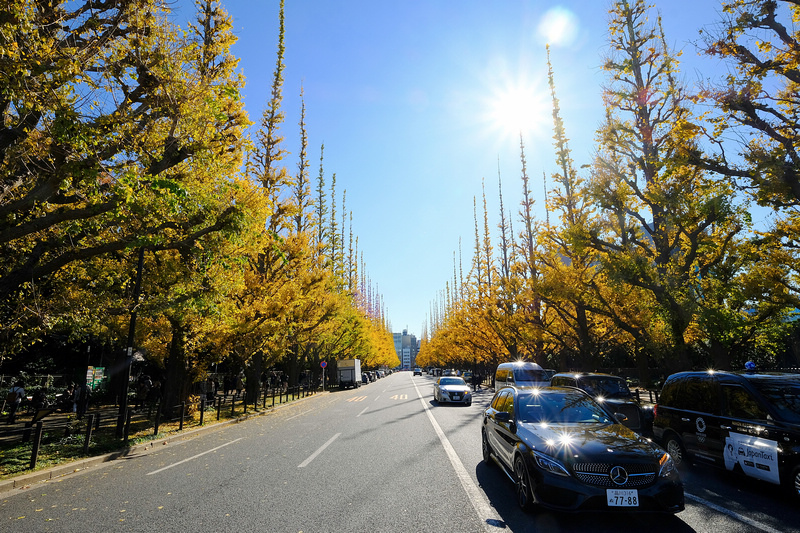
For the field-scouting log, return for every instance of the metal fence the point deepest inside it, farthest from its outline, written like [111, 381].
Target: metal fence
[66, 429]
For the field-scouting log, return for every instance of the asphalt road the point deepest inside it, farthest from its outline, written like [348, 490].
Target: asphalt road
[383, 458]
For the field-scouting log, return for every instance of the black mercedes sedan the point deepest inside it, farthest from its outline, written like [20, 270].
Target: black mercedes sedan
[564, 451]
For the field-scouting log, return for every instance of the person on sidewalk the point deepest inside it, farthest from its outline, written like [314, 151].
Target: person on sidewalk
[14, 399]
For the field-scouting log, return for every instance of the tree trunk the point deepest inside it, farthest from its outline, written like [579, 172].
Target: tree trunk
[177, 386]
[253, 373]
[720, 355]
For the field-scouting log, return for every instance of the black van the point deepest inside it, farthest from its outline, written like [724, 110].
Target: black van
[748, 422]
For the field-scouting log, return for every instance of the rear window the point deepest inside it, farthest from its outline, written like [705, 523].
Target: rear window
[529, 374]
[562, 381]
[605, 386]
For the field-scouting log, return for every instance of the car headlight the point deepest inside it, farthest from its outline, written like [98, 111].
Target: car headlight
[667, 466]
[549, 464]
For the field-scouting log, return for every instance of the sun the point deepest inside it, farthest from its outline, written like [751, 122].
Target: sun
[518, 108]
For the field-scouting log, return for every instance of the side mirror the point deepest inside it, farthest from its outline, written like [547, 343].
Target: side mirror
[502, 416]
[620, 417]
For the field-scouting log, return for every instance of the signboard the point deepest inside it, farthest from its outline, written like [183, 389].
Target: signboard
[323, 364]
[95, 375]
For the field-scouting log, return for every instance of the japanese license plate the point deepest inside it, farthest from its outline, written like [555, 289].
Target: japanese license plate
[622, 497]
[456, 396]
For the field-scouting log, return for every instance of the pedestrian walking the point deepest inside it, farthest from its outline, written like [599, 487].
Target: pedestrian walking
[142, 390]
[154, 396]
[76, 396]
[239, 385]
[210, 389]
[40, 399]
[64, 399]
[14, 399]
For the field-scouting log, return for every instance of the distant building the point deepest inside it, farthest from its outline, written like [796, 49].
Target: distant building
[407, 348]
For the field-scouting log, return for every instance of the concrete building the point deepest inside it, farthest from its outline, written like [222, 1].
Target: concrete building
[406, 346]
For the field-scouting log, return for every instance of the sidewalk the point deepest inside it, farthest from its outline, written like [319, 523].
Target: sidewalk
[109, 413]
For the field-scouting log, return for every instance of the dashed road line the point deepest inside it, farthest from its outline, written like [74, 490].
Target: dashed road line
[319, 451]
[192, 457]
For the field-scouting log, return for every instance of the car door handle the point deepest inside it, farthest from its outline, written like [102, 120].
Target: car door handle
[725, 427]
[685, 419]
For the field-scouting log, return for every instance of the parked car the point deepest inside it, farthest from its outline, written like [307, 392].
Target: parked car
[452, 389]
[520, 374]
[744, 422]
[565, 451]
[417, 371]
[614, 393]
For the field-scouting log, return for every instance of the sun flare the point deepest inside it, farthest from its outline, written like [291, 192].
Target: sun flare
[518, 108]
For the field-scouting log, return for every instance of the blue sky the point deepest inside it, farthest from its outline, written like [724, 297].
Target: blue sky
[412, 100]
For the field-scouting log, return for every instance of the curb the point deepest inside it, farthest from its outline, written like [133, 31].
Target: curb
[25, 481]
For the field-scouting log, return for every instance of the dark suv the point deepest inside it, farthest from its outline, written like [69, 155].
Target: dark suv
[749, 422]
[613, 392]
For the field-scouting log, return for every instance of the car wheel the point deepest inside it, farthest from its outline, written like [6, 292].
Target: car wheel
[485, 448]
[676, 450]
[523, 485]
[794, 482]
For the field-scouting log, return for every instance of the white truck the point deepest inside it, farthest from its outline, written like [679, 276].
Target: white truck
[349, 373]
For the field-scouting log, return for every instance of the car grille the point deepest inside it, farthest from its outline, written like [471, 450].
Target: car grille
[599, 474]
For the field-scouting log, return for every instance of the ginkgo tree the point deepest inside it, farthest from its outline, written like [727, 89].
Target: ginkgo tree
[106, 116]
[664, 223]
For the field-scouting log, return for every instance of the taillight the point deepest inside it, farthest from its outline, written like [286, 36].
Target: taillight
[655, 408]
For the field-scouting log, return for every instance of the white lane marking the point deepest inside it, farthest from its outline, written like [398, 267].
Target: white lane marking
[735, 516]
[193, 457]
[477, 498]
[362, 412]
[319, 451]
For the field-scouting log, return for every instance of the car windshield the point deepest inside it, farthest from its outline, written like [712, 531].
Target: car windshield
[451, 381]
[560, 407]
[529, 374]
[605, 386]
[784, 396]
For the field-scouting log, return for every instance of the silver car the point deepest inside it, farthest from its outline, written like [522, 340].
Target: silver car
[452, 389]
